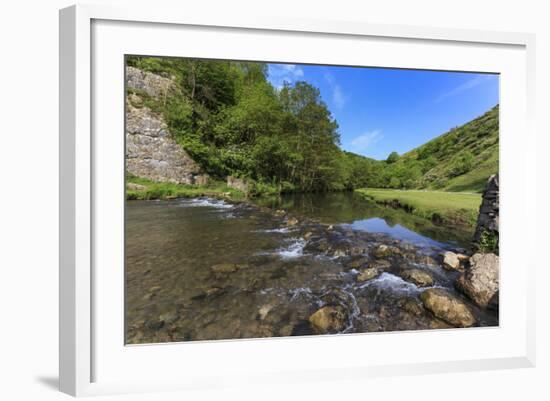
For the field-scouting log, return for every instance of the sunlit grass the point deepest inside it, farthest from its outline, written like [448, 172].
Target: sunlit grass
[167, 190]
[438, 206]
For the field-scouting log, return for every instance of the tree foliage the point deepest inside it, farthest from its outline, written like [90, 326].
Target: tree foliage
[232, 121]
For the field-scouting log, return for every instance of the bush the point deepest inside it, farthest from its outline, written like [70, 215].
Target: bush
[488, 242]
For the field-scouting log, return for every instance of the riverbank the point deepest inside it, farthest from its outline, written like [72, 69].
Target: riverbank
[144, 189]
[440, 207]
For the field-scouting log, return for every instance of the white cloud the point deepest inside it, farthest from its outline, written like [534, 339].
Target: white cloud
[472, 83]
[338, 97]
[280, 73]
[364, 141]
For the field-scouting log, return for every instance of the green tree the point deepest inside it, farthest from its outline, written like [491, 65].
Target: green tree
[392, 157]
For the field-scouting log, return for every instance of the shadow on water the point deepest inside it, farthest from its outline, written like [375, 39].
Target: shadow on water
[362, 214]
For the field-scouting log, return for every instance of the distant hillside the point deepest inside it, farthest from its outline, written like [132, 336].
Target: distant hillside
[459, 160]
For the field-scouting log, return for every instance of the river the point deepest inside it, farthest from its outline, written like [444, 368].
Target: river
[207, 269]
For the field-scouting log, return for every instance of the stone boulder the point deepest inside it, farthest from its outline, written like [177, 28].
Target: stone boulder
[417, 276]
[448, 308]
[480, 282]
[368, 274]
[328, 319]
[382, 251]
[357, 262]
[451, 261]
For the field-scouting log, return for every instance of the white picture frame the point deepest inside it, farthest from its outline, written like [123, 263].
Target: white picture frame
[88, 366]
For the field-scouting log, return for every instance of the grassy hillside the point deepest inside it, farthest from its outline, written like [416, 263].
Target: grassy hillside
[459, 160]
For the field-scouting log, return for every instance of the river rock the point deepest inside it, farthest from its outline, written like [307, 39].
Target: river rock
[418, 277]
[368, 274]
[447, 307]
[413, 306]
[318, 245]
[421, 258]
[292, 221]
[264, 310]
[307, 235]
[451, 261]
[382, 251]
[380, 264]
[328, 319]
[225, 268]
[357, 262]
[480, 282]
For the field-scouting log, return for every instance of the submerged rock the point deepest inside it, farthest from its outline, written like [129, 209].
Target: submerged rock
[417, 276]
[227, 267]
[447, 307]
[292, 221]
[413, 306]
[380, 264]
[264, 310]
[382, 251]
[357, 262]
[480, 282]
[368, 274]
[328, 319]
[451, 261]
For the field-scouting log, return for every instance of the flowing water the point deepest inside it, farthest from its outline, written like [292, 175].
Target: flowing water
[205, 269]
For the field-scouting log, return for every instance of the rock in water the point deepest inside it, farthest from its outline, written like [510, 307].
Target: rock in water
[447, 307]
[225, 268]
[480, 282]
[382, 251]
[357, 262]
[418, 277]
[368, 274]
[451, 261]
[329, 319]
[292, 221]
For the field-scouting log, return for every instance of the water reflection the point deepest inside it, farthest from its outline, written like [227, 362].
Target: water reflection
[354, 210]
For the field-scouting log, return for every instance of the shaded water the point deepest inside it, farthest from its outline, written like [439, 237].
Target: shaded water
[361, 214]
[204, 269]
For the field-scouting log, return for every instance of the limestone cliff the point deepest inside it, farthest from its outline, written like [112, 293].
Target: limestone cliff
[151, 152]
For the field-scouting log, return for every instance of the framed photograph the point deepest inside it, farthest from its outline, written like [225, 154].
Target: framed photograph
[274, 200]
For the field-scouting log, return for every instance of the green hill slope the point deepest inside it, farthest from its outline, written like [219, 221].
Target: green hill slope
[459, 160]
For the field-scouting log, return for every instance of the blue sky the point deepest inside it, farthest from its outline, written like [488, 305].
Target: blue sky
[382, 110]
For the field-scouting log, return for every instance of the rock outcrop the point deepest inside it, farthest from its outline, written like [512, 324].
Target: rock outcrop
[152, 84]
[480, 282]
[488, 211]
[151, 152]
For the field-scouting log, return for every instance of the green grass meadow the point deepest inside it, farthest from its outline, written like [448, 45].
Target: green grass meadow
[438, 206]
